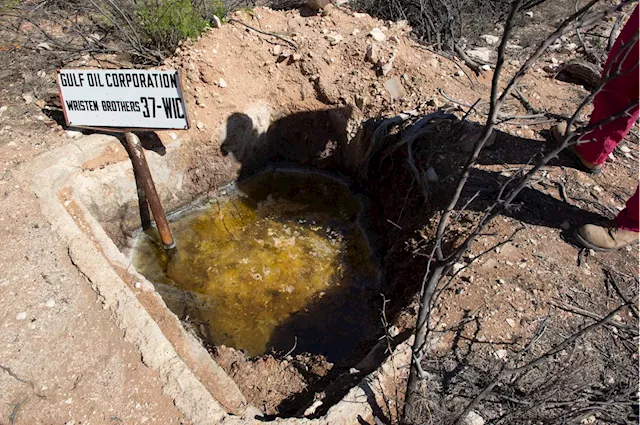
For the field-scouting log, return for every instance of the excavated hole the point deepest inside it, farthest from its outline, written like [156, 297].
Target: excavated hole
[278, 263]
[278, 278]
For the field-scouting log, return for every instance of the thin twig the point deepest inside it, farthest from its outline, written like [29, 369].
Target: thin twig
[391, 222]
[563, 193]
[530, 123]
[504, 118]
[591, 315]
[587, 52]
[16, 408]
[221, 215]
[389, 340]
[539, 332]
[295, 344]
[506, 372]
[615, 285]
[614, 30]
[441, 54]
[525, 102]
[271, 34]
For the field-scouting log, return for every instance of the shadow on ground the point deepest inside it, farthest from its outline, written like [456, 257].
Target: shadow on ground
[318, 140]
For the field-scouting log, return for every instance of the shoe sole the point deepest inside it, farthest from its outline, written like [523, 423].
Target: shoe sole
[589, 245]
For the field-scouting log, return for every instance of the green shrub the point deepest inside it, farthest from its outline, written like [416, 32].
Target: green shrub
[164, 23]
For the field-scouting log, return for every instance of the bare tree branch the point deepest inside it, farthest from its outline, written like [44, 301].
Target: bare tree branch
[506, 372]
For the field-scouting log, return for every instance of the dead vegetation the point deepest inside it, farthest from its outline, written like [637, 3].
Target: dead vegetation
[445, 26]
[142, 32]
[447, 248]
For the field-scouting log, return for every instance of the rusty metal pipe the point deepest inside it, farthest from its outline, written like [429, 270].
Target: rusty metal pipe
[141, 169]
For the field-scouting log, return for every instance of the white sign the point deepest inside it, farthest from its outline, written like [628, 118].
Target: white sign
[127, 98]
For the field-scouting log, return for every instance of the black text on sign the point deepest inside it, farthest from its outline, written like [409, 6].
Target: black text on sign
[122, 98]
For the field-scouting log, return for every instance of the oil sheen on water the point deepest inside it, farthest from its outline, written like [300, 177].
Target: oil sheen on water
[279, 261]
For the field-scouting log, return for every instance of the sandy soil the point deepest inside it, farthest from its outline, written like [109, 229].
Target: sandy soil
[62, 358]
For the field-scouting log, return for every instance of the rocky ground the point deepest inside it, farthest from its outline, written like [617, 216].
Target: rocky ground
[63, 360]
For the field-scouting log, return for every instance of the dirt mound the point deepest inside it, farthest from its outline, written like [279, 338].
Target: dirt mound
[336, 62]
[269, 381]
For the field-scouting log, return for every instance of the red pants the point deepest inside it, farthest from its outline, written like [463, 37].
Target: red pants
[613, 98]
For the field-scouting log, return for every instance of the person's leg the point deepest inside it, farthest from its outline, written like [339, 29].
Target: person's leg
[630, 216]
[595, 146]
[614, 97]
[604, 139]
[617, 235]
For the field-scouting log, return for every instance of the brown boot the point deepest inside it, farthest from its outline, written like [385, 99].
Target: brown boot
[558, 132]
[605, 238]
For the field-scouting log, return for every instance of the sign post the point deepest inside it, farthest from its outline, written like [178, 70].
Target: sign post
[122, 101]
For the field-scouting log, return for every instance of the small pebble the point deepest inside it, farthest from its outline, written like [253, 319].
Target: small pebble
[501, 354]
[431, 175]
[71, 134]
[334, 38]
[21, 316]
[377, 34]
[50, 303]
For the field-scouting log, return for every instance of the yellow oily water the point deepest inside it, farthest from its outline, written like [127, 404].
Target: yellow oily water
[279, 262]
